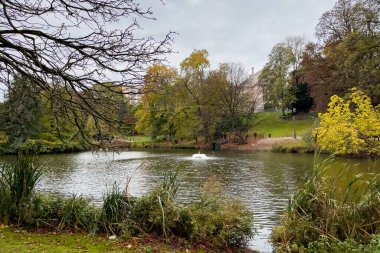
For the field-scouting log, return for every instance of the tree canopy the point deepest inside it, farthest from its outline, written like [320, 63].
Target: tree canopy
[279, 72]
[197, 101]
[65, 47]
[348, 52]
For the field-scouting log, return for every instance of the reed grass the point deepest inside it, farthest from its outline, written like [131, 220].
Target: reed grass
[114, 210]
[333, 209]
[17, 183]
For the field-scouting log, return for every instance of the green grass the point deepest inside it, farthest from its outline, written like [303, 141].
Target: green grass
[22, 241]
[272, 123]
[138, 138]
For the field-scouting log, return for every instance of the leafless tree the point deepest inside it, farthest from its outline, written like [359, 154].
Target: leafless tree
[67, 46]
[348, 16]
[238, 99]
[297, 45]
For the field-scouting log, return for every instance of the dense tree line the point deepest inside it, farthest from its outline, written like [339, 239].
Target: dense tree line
[345, 56]
[192, 103]
[27, 116]
[197, 101]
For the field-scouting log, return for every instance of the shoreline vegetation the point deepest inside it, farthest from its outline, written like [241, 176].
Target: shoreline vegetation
[214, 222]
[267, 123]
[319, 218]
[331, 213]
[271, 132]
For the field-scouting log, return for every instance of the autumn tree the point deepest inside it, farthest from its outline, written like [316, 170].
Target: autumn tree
[296, 45]
[194, 71]
[65, 47]
[348, 53]
[156, 112]
[336, 24]
[351, 126]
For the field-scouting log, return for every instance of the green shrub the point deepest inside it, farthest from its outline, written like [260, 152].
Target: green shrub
[215, 219]
[225, 221]
[157, 212]
[308, 139]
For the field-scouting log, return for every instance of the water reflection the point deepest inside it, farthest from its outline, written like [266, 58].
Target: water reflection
[263, 181]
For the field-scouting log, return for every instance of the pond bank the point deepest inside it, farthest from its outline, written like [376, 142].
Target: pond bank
[281, 144]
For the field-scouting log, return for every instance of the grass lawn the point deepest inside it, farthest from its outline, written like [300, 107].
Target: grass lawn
[272, 123]
[138, 138]
[16, 240]
[22, 241]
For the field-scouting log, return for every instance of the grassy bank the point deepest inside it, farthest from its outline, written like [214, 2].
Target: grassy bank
[297, 146]
[213, 220]
[16, 240]
[22, 241]
[273, 123]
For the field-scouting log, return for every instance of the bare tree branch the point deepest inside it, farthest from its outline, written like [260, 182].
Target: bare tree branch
[73, 45]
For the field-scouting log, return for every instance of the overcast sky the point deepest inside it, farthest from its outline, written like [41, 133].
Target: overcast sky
[242, 31]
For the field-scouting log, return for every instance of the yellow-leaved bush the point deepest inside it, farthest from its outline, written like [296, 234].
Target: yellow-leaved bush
[351, 126]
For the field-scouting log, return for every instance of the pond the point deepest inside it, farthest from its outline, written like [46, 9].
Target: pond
[264, 181]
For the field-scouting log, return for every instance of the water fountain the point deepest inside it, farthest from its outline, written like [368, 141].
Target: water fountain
[199, 156]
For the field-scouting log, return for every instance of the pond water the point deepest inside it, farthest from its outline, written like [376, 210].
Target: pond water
[263, 181]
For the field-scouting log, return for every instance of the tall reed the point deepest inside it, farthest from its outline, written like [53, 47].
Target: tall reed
[114, 210]
[17, 183]
[337, 208]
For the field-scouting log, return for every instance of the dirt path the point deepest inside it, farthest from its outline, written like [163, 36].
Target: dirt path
[265, 144]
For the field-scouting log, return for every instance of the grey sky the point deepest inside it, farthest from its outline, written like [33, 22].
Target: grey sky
[241, 31]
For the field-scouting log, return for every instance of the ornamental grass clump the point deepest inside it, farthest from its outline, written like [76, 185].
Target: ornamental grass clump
[17, 183]
[115, 209]
[329, 211]
[215, 219]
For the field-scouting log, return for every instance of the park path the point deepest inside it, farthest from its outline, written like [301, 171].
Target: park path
[265, 144]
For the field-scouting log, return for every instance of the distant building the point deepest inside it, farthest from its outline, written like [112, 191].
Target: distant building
[256, 90]
[133, 94]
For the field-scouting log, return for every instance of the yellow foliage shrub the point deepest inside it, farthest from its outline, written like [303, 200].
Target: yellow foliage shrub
[351, 126]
